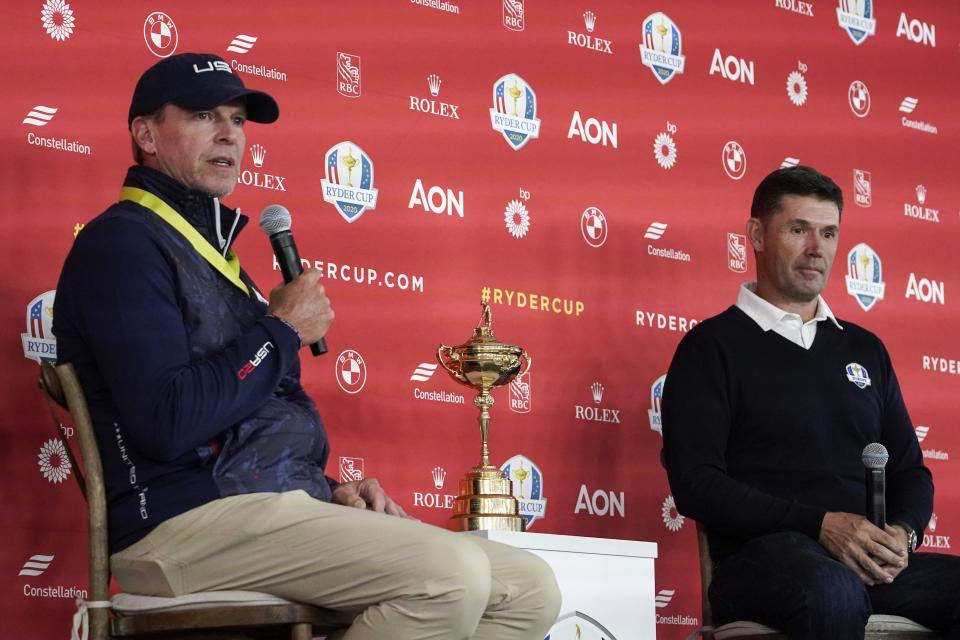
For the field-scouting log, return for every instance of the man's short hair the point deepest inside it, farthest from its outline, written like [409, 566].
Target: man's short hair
[793, 181]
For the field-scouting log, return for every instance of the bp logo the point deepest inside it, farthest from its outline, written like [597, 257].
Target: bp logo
[661, 49]
[656, 397]
[39, 342]
[856, 17]
[348, 180]
[864, 276]
[527, 487]
[514, 111]
[578, 625]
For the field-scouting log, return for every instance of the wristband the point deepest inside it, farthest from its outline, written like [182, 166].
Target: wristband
[292, 328]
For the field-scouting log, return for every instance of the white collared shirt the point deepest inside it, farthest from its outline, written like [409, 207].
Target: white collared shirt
[789, 325]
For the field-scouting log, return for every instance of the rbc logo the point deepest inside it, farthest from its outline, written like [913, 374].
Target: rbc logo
[348, 75]
[39, 343]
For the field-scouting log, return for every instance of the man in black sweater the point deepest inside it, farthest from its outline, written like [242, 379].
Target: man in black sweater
[766, 410]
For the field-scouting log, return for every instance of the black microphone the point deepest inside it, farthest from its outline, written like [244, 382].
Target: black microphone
[875, 458]
[275, 222]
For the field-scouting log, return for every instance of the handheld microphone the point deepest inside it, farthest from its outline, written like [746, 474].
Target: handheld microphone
[275, 222]
[875, 458]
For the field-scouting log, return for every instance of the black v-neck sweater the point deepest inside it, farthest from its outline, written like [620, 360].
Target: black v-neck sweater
[761, 435]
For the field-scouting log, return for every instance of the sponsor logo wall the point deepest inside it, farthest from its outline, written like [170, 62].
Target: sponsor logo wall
[585, 168]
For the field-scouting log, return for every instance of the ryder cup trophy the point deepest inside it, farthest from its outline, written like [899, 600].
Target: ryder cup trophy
[485, 499]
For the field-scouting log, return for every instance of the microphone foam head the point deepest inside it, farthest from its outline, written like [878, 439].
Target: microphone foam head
[875, 456]
[274, 219]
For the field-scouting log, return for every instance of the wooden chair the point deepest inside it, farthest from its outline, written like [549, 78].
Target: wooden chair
[225, 614]
[879, 627]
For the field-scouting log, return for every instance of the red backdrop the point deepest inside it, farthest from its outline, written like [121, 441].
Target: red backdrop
[601, 240]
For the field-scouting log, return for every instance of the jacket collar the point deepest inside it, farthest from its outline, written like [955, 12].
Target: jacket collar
[206, 214]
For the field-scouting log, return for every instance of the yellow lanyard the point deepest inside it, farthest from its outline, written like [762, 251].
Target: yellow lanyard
[229, 266]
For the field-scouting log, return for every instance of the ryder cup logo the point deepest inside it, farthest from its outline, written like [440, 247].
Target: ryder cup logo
[864, 276]
[527, 487]
[348, 75]
[656, 398]
[351, 371]
[514, 111]
[580, 626]
[857, 374]
[661, 49]
[593, 227]
[160, 34]
[856, 17]
[338, 187]
[734, 160]
[39, 343]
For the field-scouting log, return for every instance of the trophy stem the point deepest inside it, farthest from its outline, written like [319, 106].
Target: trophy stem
[484, 401]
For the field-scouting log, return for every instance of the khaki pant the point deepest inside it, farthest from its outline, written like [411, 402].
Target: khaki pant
[395, 578]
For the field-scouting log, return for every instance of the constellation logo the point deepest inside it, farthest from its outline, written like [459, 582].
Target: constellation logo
[736, 252]
[519, 123]
[434, 107]
[53, 461]
[435, 500]
[862, 187]
[593, 131]
[260, 180]
[348, 75]
[865, 276]
[661, 48]
[925, 290]
[921, 432]
[656, 401]
[664, 596]
[517, 218]
[917, 31]
[585, 41]
[351, 371]
[856, 17]
[601, 503]
[672, 519]
[734, 160]
[656, 230]
[908, 105]
[521, 393]
[39, 343]
[797, 86]
[40, 116]
[593, 227]
[436, 200]
[789, 162]
[919, 211]
[57, 19]
[513, 14]
[351, 469]
[803, 8]
[338, 189]
[242, 44]
[732, 68]
[160, 34]
[36, 565]
[527, 488]
[424, 371]
[665, 148]
[596, 414]
[858, 97]
[929, 454]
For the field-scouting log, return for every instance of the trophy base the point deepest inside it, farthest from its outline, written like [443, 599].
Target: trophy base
[485, 503]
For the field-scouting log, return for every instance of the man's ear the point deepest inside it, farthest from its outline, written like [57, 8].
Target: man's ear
[755, 233]
[143, 135]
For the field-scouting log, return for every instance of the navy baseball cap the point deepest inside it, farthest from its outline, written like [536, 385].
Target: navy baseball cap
[197, 82]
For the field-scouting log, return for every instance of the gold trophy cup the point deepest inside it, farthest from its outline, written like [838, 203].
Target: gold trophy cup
[485, 499]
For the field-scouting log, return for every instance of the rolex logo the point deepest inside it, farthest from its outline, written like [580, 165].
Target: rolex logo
[258, 152]
[439, 475]
[597, 389]
[433, 81]
[921, 193]
[589, 20]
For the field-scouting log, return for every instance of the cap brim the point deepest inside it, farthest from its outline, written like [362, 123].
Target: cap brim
[261, 107]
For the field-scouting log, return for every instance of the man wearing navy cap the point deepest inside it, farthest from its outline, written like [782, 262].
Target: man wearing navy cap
[213, 454]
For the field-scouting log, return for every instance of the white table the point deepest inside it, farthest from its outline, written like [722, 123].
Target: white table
[607, 585]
